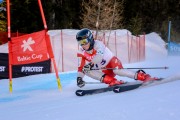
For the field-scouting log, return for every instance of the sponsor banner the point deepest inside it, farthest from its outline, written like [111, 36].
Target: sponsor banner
[31, 69]
[3, 66]
[22, 70]
[29, 48]
[173, 48]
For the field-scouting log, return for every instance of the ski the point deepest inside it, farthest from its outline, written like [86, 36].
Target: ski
[127, 86]
[132, 86]
[93, 91]
[123, 87]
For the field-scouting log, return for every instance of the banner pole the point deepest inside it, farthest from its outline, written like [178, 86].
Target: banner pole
[50, 49]
[169, 36]
[42, 14]
[169, 32]
[9, 45]
[57, 76]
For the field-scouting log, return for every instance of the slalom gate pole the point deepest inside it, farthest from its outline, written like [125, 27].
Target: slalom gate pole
[9, 45]
[42, 14]
[49, 43]
[132, 68]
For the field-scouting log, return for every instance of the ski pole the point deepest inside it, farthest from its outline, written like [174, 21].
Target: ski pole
[132, 68]
[93, 83]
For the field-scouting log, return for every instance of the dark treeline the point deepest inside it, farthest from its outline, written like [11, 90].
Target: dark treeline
[142, 15]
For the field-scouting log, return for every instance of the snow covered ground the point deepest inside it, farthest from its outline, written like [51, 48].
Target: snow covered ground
[37, 97]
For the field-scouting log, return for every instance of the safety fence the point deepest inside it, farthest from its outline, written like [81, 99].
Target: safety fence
[126, 47]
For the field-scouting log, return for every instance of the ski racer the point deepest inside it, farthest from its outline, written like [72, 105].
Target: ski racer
[93, 54]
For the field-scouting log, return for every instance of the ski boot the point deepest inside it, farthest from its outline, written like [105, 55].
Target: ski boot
[142, 76]
[111, 80]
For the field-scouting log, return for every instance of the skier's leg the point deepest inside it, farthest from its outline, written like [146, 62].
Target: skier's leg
[95, 74]
[111, 80]
[104, 78]
[116, 63]
[125, 73]
[139, 75]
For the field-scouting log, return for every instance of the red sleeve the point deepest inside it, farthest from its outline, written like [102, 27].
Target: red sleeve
[81, 62]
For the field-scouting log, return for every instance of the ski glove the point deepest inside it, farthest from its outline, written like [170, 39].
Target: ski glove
[87, 67]
[80, 82]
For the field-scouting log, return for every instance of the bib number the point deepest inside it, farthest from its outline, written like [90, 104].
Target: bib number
[102, 63]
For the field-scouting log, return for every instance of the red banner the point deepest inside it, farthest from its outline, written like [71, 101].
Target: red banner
[29, 48]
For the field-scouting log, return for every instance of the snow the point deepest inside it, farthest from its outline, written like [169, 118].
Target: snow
[37, 97]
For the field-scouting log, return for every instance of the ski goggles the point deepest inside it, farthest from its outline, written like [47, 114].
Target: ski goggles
[83, 42]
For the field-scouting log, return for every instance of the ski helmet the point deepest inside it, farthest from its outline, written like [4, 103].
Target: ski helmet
[85, 36]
